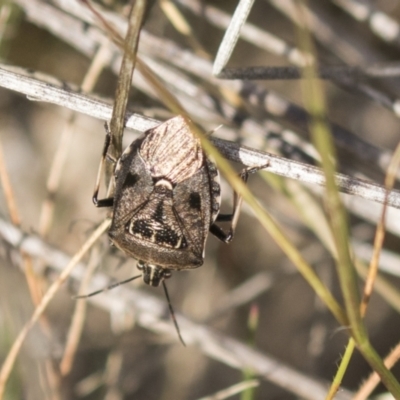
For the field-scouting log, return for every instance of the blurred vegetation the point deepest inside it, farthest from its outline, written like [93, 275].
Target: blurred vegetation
[293, 325]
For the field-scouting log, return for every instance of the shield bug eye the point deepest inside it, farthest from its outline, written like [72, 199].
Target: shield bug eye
[140, 266]
[167, 274]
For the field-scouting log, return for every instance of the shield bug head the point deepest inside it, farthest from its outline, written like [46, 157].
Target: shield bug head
[153, 275]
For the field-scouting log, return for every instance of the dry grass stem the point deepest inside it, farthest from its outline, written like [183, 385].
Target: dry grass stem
[8, 192]
[151, 314]
[231, 35]
[48, 296]
[34, 282]
[231, 391]
[13, 78]
[78, 317]
[370, 384]
[97, 65]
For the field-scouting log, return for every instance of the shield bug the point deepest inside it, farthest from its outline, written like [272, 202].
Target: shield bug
[166, 200]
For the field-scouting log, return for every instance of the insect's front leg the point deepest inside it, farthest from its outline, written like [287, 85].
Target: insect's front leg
[109, 201]
[234, 216]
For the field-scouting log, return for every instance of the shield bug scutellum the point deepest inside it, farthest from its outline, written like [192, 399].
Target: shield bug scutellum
[166, 200]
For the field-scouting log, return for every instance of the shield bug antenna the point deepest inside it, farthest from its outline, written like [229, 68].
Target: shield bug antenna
[166, 200]
[114, 285]
[167, 274]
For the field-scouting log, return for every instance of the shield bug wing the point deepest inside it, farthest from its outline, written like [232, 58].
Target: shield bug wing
[192, 202]
[133, 186]
[197, 203]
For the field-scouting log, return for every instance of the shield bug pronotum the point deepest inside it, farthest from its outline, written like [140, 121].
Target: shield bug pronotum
[166, 200]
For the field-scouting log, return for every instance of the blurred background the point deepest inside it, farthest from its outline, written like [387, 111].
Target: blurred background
[115, 358]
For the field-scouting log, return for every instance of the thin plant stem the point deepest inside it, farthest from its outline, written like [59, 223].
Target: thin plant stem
[275, 231]
[150, 312]
[179, 22]
[100, 60]
[252, 325]
[117, 123]
[78, 318]
[8, 191]
[17, 79]
[374, 379]
[34, 283]
[380, 231]
[232, 390]
[241, 188]
[314, 98]
[52, 290]
[347, 274]
[231, 35]
[344, 363]
[372, 272]
[111, 375]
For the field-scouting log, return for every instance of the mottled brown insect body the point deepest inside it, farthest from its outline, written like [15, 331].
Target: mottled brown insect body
[167, 198]
[167, 195]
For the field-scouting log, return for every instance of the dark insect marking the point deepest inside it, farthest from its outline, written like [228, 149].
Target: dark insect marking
[158, 214]
[142, 228]
[195, 201]
[157, 232]
[169, 237]
[131, 179]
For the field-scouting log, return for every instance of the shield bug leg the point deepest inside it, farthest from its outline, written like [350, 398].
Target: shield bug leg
[107, 202]
[234, 216]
